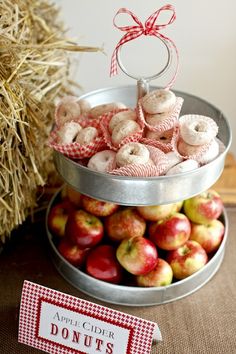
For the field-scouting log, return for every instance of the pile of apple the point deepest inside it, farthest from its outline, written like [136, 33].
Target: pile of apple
[140, 246]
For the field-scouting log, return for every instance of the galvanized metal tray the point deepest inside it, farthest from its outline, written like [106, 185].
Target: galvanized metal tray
[135, 296]
[152, 190]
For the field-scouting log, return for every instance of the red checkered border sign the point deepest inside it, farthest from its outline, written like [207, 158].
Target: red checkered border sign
[55, 322]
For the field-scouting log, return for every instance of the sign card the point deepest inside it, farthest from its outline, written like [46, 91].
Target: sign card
[55, 322]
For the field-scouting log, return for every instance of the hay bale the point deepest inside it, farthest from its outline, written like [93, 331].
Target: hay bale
[34, 68]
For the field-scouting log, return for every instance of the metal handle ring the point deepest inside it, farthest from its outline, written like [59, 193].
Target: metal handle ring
[152, 77]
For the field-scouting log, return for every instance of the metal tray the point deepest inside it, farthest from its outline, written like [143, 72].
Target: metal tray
[152, 190]
[135, 296]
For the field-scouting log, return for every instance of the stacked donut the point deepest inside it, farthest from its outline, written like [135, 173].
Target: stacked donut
[160, 111]
[149, 141]
[198, 138]
[158, 105]
[122, 131]
[116, 127]
[76, 135]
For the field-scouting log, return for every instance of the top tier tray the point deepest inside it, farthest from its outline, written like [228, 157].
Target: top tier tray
[152, 190]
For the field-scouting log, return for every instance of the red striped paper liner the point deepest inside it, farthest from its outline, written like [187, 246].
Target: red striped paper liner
[76, 150]
[201, 150]
[170, 122]
[165, 147]
[145, 170]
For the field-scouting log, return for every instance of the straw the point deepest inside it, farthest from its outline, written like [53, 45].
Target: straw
[34, 71]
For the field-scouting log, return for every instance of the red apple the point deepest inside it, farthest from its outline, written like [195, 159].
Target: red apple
[98, 207]
[84, 229]
[204, 207]
[137, 255]
[57, 217]
[161, 275]
[209, 236]
[72, 253]
[102, 264]
[187, 259]
[71, 194]
[171, 232]
[125, 223]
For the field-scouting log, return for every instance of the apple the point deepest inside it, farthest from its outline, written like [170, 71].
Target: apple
[71, 194]
[208, 235]
[161, 275]
[72, 253]
[187, 259]
[178, 206]
[84, 229]
[102, 264]
[204, 207]
[155, 212]
[58, 216]
[125, 223]
[138, 255]
[171, 232]
[98, 207]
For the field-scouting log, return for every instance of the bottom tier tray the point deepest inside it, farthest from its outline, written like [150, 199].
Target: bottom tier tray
[130, 295]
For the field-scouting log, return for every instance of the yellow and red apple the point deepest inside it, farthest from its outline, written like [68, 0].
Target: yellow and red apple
[204, 207]
[171, 232]
[125, 223]
[138, 255]
[161, 275]
[187, 259]
[208, 235]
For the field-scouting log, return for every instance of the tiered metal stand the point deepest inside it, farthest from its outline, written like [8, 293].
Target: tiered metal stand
[143, 191]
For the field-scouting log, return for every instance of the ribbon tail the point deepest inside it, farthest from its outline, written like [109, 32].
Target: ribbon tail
[113, 67]
[170, 46]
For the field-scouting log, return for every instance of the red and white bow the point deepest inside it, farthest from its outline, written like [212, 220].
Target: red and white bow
[150, 28]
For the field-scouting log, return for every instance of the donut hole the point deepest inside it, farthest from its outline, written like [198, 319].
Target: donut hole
[132, 152]
[201, 127]
[163, 138]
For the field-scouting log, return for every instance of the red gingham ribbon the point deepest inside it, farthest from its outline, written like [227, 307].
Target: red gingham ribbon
[150, 28]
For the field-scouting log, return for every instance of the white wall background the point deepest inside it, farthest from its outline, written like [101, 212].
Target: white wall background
[204, 32]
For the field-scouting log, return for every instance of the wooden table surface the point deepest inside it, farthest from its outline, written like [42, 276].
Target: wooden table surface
[226, 184]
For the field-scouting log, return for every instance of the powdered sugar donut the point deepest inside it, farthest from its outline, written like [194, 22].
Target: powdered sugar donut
[158, 101]
[103, 161]
[186, 149]
[68, 132]
[187, 165]
[197, 129]
[97, 111]
[86, 135]
[132, 153]
[85, 106]
[67, 110]
[121, 116]
[156, 119]
[124, 129]
[164, 137]
[172, 159]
